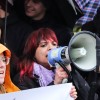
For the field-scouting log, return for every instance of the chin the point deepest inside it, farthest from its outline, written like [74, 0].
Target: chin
[29, 15]
[1, 81]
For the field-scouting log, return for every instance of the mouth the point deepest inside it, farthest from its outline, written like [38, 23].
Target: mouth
[46, 56]
[30, 9]
[1, 72]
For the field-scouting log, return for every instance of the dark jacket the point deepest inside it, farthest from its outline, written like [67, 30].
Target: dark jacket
[16, 34]
[62, 32]
[26, 82]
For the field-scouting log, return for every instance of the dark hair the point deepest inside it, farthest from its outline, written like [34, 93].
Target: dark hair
[26, 61]
[2, 4]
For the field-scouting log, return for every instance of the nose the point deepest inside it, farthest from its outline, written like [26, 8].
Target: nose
[50, 46]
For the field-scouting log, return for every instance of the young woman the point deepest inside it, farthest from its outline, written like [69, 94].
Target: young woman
[6, 84]
[35, 70]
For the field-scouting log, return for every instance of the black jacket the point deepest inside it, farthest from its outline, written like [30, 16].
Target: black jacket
[17, 32]
[26, 82]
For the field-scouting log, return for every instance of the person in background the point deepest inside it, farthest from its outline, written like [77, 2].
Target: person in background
[38, 13]
[6, 84]
[16, 30]
[35, 70]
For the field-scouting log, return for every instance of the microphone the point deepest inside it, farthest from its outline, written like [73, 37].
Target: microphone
[61, 55]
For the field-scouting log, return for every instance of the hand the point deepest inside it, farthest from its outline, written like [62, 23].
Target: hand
[69, 67]
[73, 92]
[60, 74]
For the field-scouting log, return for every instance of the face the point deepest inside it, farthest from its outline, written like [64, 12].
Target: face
[42, 51]
[34, 9]
[2, 68]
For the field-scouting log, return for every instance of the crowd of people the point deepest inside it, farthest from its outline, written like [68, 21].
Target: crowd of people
[28, 35]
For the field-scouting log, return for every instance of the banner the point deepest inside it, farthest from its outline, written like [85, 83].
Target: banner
[54, 92]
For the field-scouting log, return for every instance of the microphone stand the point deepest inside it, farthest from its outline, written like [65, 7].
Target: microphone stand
[93, 85]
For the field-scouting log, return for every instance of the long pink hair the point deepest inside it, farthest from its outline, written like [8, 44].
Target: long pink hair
[27, 60]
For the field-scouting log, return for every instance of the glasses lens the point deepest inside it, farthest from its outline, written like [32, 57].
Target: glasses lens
[5, 60]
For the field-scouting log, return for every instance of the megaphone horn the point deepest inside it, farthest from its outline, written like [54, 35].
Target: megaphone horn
[82, 50]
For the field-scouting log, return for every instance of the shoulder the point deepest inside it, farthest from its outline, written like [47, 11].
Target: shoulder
[25, 82]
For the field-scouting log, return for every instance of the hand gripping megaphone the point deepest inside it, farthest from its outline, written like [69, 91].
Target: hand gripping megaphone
[81, 51]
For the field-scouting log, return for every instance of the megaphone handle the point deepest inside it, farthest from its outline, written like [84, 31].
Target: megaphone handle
[66, 70]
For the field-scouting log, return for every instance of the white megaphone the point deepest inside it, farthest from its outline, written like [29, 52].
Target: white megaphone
[81, 51]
